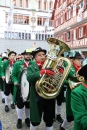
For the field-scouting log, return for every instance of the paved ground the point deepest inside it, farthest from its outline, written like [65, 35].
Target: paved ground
[9, 119]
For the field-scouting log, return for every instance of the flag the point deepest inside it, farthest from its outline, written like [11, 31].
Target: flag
[10, 15]
[46, 25]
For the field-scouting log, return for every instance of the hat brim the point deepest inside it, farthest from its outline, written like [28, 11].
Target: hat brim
[82, 70]
[11, 52]
[79, 57]
[4, 58]
[35, 52]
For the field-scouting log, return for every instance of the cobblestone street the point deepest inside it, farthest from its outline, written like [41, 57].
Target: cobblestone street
[9, 119]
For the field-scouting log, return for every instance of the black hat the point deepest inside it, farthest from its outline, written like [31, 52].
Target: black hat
[75, 55]
[83, 70]
[27, 51]
[39, 49]
[11, 52]
[4, 58]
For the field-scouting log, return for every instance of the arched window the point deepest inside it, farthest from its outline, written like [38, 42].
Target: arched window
[39, 4]
[45, 4]
[50, 5]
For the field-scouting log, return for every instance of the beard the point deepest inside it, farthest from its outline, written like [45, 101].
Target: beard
[26, 59]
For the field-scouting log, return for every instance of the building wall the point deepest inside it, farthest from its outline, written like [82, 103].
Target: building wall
[28, 20]
[70, 22]
[20, 45]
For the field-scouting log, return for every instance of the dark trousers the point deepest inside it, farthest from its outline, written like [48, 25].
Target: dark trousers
[1, 84]
[8, 89]
[60, 97]
[20, 103]
[47, 107]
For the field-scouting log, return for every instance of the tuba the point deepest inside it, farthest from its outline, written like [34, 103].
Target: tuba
[49, 87]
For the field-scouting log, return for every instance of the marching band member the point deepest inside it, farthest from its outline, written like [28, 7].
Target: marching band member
[1, 81]
[60, 100]
[38, 105]
[79, 102]
[8, 87]
[16, 77]
[75, 59]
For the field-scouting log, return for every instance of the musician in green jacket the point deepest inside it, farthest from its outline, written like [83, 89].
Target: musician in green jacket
[8, 64]
[39, 105]
[1, 81]
[79, 102]
[18, 69]
[75, 58]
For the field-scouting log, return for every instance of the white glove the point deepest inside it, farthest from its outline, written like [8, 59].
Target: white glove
[3, 78]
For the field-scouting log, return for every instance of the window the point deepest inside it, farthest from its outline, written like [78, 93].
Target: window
[20, 3]
[29, 36]
[68, 14]
[20, 19]
[68, 36]
[45, 5]
[25, 35]
[15, 19]
[26, 3]
[80, 32]
[19, 35]
[39, 21]
[44, 19]
[6, 17]
[51, 23]
[39, 4]
[22, 35]
[62, 19]
[57, 23]
[26, 19]
[36, 36]
[50, 5]
[62, 37]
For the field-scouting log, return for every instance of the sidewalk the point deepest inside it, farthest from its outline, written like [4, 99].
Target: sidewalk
[9, 119]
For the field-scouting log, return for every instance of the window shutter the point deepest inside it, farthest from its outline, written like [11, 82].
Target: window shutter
[84, 30]
[65, 37]
[77, 9]
[59, 21]
[77, 33]
[65, 17]
[54, 23]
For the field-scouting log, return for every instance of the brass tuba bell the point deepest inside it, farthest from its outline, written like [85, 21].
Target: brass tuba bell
[49, 87]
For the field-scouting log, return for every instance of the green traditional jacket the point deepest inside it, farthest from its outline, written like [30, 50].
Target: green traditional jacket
[33, 74]
[2, 83]
[68, 91]
[16, 76]
[1, 68]
[79, 107]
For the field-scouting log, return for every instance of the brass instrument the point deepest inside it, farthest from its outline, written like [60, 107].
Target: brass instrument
[49, 87]
[73, 84]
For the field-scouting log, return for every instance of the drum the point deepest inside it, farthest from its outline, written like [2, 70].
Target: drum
[8, 75]
[24, 86]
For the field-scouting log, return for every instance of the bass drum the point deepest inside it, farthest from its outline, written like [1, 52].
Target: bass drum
[24, 86]
[8, 76]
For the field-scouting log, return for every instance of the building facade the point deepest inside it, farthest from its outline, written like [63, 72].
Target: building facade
[28, 21]
[70, 22]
